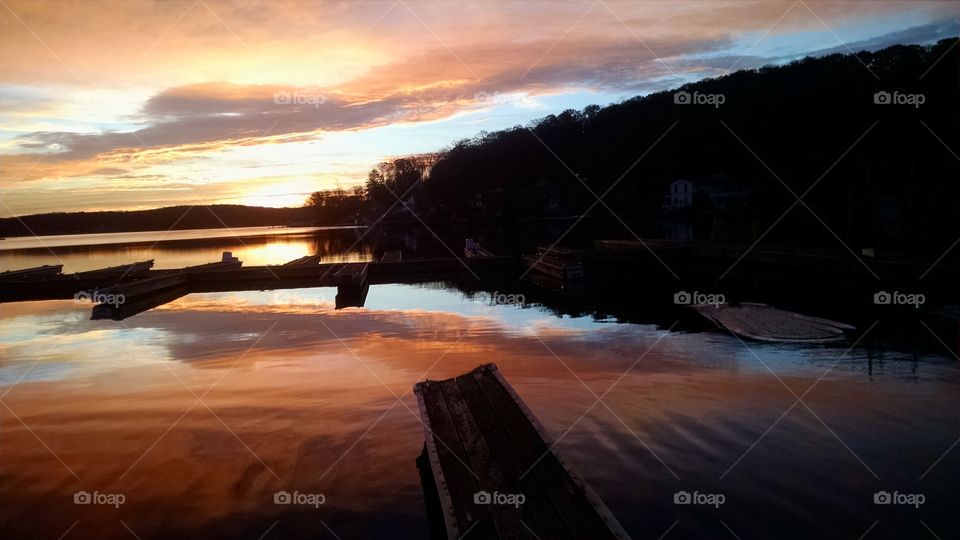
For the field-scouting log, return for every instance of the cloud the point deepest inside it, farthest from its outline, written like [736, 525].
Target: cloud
[212, 114]
[184, 82]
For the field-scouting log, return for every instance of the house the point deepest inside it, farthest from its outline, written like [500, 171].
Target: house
[679, 195]
[715, 193]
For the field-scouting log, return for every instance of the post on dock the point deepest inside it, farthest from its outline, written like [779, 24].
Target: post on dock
[352, 285]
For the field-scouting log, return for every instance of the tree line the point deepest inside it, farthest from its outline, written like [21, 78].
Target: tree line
[841, 133]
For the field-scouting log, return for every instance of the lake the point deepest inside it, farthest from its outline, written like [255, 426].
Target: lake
[189, 417]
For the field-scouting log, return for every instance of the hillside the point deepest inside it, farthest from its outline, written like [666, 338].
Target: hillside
[883, 172]
[173, 217]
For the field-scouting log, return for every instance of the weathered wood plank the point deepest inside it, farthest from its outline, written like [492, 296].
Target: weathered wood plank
[481, 421]
[579, 513]
[506, 519]
[461, 481]
[537, 512]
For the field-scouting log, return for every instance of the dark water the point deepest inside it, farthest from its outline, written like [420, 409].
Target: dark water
[198, 411]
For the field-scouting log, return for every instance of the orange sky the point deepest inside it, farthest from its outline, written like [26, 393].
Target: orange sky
[139, 104]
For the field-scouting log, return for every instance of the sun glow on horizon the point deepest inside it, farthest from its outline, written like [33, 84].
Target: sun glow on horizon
[263, 103]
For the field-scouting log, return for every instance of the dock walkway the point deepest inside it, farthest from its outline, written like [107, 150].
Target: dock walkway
[495, 470]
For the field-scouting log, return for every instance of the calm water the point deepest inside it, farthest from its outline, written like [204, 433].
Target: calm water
[175, 249]
[199, 410]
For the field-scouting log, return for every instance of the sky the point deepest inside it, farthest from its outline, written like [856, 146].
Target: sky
[130, 104]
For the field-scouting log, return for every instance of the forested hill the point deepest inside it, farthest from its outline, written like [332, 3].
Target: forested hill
[854, 127]
[172, 217]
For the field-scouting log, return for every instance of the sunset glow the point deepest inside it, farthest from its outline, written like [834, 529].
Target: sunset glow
[154, 103]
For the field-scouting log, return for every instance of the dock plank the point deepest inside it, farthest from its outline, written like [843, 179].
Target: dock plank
[537, 512]
[507, 522]
[539, 456]
[478, 418]
[461, 482]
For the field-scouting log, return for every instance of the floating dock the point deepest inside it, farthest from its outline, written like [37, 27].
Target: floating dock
[491, 471]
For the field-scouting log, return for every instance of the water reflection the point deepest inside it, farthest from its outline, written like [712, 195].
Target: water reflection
[176, 249]
[299, 396]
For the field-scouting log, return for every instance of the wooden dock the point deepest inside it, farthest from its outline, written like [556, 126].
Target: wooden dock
[495, 471]
[232, 276]
[352, 285]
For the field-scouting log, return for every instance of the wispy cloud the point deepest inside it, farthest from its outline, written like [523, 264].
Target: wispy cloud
[169, 91]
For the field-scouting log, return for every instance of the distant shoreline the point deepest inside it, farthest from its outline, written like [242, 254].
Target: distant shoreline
[169, 218]
[133, 238]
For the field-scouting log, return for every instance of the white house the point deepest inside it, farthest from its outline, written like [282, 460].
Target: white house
[680, 194]
[716, 192]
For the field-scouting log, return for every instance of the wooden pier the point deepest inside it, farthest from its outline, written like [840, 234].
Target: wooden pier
[143, 288]
[494, 472]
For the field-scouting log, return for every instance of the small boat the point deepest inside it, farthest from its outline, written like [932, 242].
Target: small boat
[557, 262]
[764, 323]
[303, 261]
[227, 262]
[555, 268]
[647, 244]
[123, 270]
[47, 270]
